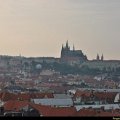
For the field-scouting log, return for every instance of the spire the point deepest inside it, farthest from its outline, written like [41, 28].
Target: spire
[97, 58]
[73, 47]
[67, 44]
[102, 58]
[62, 47]
[62, 50]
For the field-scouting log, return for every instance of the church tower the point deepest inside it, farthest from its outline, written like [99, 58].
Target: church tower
[73, 47]
[67, 46]
[62, 51]
[97, 58]
[102, 57]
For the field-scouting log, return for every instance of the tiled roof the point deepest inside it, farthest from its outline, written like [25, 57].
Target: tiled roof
[6, 96]
[55, 111]
[1, 93]
[107, 114]
[104, 95]
[15, 105]
[23, 96]
[59, 111]
[41, 95]
[82, 93]
[86, 112]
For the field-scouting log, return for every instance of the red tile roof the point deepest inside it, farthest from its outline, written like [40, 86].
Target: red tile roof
[43, 110]
[86, 112]
[107, 114]
[41, 95]
[59, 111]
[23, 96]
[82, 93]
[104, 95]
[55, 111]
[1, 95]
[15, 105]
[6, 96]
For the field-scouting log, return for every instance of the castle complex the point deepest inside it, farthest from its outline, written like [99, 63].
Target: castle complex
[72, 56]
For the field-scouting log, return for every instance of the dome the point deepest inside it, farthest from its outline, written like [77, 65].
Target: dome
[38, 66]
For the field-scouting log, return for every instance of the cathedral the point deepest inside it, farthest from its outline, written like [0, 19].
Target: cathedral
[72, 56]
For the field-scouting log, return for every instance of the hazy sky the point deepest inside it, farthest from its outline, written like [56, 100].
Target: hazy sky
[39, 27]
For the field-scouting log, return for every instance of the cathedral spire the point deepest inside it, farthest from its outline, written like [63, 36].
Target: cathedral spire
[97, 58]
[62, 47]
[102, 58]
[73, 47]
[67, 44]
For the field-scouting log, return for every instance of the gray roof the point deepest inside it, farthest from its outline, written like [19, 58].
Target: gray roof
[106, 106]
[14, 88]
[54, 102]
[101, 90]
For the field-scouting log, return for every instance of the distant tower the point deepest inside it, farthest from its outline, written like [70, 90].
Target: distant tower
[62, 51]
[71, 56]
[97, 58]
[73, 47]
[67, 46]
[102, 57]
[62, 47]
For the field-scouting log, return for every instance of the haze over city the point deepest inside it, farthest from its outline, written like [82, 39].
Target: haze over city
[40, 27]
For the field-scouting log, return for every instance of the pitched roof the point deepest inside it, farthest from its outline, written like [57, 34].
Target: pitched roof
[15, 105]
[23, 96]
[108, 114]
[41, 95]
[6, 96]
[86, 112]
[55, 111]
[104, 95]
[58, 111]
[54, 102]
[84, 93]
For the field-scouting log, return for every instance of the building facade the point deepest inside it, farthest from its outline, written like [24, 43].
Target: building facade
[72, 56]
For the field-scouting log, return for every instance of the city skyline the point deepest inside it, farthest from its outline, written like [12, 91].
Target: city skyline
[39, 28]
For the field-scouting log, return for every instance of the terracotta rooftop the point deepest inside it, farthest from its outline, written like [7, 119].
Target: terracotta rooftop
[60, 111]
[55, 111]
[80, 93]
[104, 95]
[15, 105]
[6, 96]
[86, 112]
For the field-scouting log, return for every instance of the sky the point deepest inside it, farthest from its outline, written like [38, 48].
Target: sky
[40, 27]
